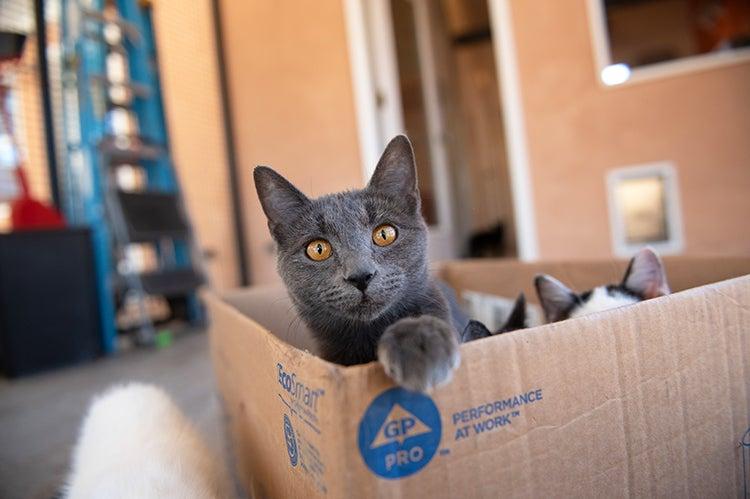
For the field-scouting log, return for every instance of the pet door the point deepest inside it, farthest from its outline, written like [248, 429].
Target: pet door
[644, 209]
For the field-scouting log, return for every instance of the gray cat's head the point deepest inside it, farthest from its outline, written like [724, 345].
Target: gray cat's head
[353, 254]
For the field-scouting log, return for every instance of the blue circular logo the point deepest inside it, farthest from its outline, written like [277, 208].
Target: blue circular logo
[291, 442]
[399, 433]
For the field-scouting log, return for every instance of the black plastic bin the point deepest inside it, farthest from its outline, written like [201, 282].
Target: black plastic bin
[49, 312]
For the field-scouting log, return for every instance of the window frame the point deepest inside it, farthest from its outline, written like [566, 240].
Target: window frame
[685, 65]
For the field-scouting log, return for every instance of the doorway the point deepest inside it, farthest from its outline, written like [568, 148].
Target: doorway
[433, 77]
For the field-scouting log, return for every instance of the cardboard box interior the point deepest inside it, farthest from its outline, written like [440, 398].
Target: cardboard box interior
[271, 307]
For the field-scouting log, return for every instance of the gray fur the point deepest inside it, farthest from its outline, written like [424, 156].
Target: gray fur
[402, 313]
[408, 351]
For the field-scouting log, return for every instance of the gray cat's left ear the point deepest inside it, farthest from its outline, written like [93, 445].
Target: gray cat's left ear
[646, 276]
[396, 173]
[281, 201]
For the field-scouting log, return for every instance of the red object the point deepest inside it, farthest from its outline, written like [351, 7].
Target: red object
[27, 213]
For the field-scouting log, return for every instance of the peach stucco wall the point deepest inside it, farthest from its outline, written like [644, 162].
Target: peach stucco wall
[578, 130]
[292, 103]
[191, 89]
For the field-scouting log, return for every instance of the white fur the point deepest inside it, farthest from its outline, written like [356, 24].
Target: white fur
[135, 443]
[601, 300]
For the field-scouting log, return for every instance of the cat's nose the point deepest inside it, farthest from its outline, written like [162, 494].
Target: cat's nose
[360, 279]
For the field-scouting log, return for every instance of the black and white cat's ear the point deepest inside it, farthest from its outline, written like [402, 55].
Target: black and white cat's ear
[396, 172]
[517, 317]
[646, 276]
[474, 330]
[555, 297]
[281, 201]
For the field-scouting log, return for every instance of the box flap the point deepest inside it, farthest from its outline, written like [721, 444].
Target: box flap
[509, 277]
[280, 405]
[647, 400]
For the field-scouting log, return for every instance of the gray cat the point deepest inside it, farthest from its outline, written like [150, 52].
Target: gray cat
[355, 265]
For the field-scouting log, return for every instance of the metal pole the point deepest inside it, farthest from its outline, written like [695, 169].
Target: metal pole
[49, 133]
[238, 219]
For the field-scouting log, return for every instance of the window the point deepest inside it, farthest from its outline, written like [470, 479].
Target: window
[636, 39]
[644, 209]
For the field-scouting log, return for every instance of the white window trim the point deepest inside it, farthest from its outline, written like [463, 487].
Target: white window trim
[667, 69]
[435, 125]
[666, 170]
[364, 83]
[514, 121]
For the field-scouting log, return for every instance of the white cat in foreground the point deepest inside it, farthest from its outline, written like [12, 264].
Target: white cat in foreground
[135, 442]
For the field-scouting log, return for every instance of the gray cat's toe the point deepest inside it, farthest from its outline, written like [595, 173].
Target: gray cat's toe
[420, 353]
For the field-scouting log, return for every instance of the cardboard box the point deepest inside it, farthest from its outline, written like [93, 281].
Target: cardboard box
[647, 400]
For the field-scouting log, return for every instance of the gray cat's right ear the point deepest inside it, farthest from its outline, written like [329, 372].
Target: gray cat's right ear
[555, 297]
[280, 200]
[396, 172]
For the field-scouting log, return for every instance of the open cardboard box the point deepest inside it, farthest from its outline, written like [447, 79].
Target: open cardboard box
[647, 400]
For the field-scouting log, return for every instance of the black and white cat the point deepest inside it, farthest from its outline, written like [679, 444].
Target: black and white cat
[644, 279]
[517, 319]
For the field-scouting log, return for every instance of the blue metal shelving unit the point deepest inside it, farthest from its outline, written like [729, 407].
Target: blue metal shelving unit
[91, 34]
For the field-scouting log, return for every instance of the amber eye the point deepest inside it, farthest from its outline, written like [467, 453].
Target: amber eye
[385, 234]
[318, 250]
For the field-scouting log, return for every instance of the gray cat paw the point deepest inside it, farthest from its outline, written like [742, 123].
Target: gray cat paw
[419, 353]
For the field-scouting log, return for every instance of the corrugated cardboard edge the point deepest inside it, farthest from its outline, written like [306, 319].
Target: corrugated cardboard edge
[508, 277]
[244, 355]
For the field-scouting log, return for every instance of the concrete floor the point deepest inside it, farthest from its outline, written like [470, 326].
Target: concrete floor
[40, 415]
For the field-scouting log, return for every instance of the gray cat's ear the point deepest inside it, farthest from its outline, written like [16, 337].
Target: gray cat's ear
[396, 173]
[646, 276]
[280, 200]
[555, 297]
